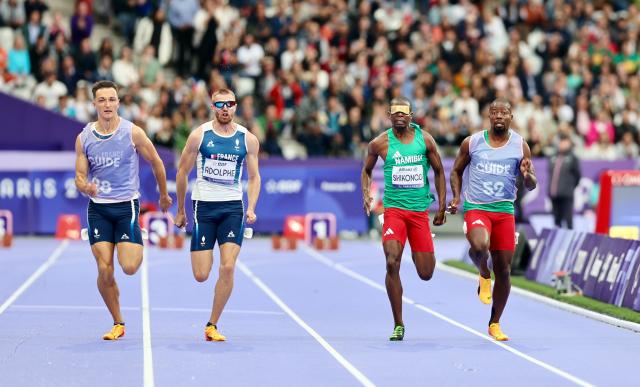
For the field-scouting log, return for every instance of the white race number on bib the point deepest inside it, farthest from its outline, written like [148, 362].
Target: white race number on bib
[411, 176]
[219, 171]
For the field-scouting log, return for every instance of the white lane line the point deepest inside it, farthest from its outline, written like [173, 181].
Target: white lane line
[341, 359]
[37, 308]
[146, 323]
[327, 261]
[36, 274]
[550, 301]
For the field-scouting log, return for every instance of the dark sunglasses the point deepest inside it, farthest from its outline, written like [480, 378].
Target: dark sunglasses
[222, 104]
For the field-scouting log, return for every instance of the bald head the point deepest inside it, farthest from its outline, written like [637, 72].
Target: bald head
[500, 102]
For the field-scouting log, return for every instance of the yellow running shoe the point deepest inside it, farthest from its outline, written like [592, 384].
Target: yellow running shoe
[484, 290]
[211, 334]
[496, 332]
[116, 332]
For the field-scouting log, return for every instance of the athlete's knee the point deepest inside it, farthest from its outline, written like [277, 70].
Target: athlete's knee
[479, 246]
[130, 268]
[226, 270]
[200, 275]
[502, 272]
[105, 273]
[425, 274]
[393, 264]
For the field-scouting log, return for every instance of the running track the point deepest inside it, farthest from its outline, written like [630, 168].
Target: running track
[295, 318]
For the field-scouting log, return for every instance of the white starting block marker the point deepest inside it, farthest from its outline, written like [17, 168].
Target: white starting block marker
[84, 234]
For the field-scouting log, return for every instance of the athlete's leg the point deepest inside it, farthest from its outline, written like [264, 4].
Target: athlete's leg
[127, 234]
[228, 256]
[477, 229]
[201, 263]
[419, 234]
[502, 248]
[393, 254]
[394, 236]
[129, 256]
[502, 287]
[203, 239]
[103, 252]
[101, 237]
[229, 235]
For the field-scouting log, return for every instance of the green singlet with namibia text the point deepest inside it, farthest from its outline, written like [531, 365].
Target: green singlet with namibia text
[406, 185]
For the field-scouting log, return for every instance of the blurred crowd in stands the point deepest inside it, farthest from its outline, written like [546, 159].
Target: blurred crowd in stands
[314, 77]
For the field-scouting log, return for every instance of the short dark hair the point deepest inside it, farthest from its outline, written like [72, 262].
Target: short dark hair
[400, 101]
[500, 101]
[103, 85]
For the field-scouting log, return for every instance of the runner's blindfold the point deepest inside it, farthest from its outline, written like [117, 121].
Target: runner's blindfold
[400, 109]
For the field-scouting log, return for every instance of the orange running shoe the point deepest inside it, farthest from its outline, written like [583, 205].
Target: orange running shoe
[496, 332]
[211, 334]
[116, 332]
[484, 290]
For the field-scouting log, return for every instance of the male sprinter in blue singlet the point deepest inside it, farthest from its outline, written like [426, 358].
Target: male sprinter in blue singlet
[493, 159]
[107, 171]
[218, 148]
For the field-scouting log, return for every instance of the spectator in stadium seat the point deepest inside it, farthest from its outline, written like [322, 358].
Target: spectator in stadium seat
[105, 69]
[156, 31]
[69, 74]
[181, 15]
[13, 14]
[124, 71]
[86, 61]
[31, 6]
[37, 53]
[18, 62]
[207, 26]
[81, 23]
[565, 174]
[314, 139]
[51, 89]
[627, 148]
[58, 26]
[34, 28]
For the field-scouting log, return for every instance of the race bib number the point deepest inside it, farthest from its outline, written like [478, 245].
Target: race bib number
[219, 171]
[411, 176]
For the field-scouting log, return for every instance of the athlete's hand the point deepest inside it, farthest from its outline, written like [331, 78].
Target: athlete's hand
[180, 220]
[440, 218]
[368, 199]
[453, 205]
[165, 202]
[251, 217]
[91, 189]
[526, 168]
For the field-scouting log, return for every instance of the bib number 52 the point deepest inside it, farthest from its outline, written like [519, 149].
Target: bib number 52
[493, 188]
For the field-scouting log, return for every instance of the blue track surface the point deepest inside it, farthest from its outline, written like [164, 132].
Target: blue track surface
[295, 318]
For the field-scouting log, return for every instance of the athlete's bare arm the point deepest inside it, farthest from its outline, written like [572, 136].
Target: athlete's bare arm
[185, 165]
[253, 183]
[148, 152]
[460, 164]
[440, 181]
[82, 172]
[526, 168]
[373, 152]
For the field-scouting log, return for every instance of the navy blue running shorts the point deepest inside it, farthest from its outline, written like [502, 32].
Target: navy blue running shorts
[217, 221]
[114, 222]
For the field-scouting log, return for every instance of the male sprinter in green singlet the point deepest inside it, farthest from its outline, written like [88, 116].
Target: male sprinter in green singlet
[408, 152]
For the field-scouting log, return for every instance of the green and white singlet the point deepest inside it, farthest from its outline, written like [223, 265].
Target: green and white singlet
[406, 184]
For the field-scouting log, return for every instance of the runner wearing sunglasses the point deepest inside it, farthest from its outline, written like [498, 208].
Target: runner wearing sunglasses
[219, 149]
